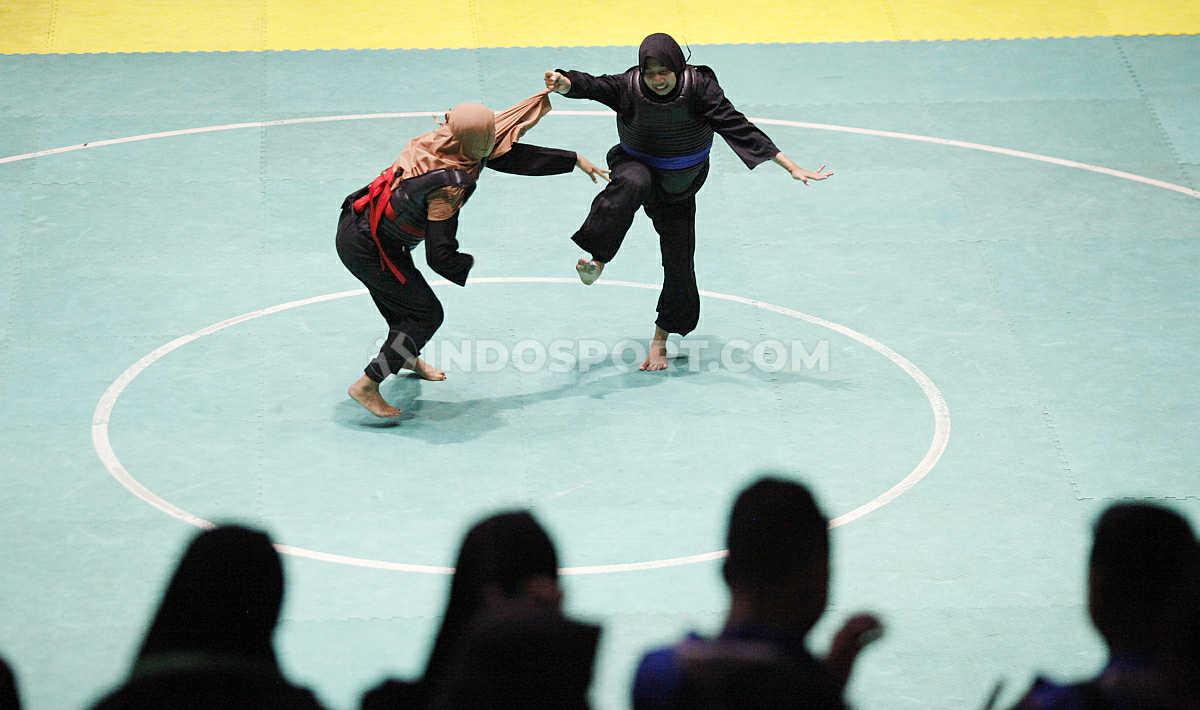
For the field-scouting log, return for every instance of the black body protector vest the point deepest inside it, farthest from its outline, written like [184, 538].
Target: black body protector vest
[665, 129]
[407, 214]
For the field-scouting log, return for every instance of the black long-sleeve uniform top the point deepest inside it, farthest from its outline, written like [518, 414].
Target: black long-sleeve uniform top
[707, 100]
[441, 244]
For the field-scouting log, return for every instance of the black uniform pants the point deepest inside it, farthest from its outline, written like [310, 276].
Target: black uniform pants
[635, 185]
[412, 310]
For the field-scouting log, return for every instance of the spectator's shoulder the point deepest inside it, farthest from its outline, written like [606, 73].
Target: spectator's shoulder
[658, 660]
[1045, 694]
[393, 693]
[658, 679]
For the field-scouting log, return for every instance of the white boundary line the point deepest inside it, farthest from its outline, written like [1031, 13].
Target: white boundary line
[937, 402]
[987, 149]
[765, 121]
[104, 409]
[213, 129]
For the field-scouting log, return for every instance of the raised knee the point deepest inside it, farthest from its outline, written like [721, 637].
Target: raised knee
[638, 180]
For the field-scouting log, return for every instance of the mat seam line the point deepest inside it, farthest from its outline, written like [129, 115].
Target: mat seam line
[1141, 498]
[1048, 422]
[14, 288]
[890, 13]
[52, 25]
[260, 413]
[1060, 452]
[1162, 131]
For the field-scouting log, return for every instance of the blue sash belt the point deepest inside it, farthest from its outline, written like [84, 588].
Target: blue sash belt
[680, 162]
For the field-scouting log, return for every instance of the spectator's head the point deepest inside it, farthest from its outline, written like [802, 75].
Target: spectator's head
[779, 550]
[506, 558]
[1140, 564]
[224, 598]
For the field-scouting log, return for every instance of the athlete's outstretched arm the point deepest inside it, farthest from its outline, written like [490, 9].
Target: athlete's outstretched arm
[580, 85]
[528, 159]
[746, 139]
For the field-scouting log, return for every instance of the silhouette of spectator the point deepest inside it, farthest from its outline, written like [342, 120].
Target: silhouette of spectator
[506, 576]
[777, 572]
[9, 699]
[522, 656]
[1141, 576]
[210, 643]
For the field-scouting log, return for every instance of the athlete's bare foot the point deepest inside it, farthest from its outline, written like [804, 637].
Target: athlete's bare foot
[657, 359]
[366, 392]
[589, 270]
[424, 370]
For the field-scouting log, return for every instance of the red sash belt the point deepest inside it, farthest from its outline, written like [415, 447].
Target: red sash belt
[379, 198]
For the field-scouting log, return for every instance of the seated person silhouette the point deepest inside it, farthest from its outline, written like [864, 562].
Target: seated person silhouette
[777, 572]
[210, 643]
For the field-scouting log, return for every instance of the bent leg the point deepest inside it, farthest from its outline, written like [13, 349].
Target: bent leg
[613, 209]
[413, 314]
[412, 310]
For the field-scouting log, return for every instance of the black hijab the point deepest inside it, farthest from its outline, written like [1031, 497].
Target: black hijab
[224, 598]
[666, 50]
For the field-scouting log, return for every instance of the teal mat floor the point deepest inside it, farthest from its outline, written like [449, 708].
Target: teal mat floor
[1054, 308]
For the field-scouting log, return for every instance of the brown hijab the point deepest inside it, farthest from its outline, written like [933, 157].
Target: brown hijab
[471, 133]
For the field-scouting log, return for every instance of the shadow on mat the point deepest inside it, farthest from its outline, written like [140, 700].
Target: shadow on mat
[426, 418]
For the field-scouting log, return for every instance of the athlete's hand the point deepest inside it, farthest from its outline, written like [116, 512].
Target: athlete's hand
[803, 175]
[557, 82]
[590, 169]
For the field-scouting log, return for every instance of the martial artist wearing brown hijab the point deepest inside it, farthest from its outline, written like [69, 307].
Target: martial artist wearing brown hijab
[417, 200]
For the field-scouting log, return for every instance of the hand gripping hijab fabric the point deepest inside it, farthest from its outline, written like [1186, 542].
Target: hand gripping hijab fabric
[471, 133]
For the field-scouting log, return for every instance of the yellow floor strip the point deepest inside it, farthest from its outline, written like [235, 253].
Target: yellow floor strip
[76, 26]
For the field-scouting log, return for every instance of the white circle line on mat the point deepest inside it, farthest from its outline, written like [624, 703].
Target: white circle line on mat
[1010, 152]
[104, 410]
[937, 446]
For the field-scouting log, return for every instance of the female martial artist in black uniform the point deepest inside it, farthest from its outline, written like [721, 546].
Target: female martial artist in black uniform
[417, 199]
[667, 112]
